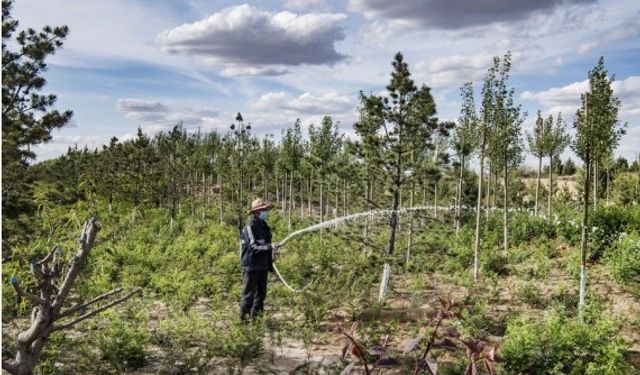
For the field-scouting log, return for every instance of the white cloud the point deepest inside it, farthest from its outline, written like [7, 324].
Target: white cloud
[454, 70]
[329, 103]
[156, 116]
[566, 99]
[306, 4]
[628, 28]
[245, 34]
[270, 70]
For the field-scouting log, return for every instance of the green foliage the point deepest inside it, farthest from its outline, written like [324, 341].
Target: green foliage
[524, 227]
[27, 117]
[122, 339]
[608, 223]
[624, 260]
[188, 341]
[242, 342]
[561, 345]
[625, 190]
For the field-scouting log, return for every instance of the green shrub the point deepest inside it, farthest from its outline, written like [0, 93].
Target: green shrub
[531, 294]
[624, 260]
[524, 227]
[122, 340]
[188, 341]
[607, 224]
[242, 342]
[561, 345]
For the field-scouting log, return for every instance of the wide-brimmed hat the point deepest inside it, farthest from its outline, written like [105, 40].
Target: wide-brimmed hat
[260, 205]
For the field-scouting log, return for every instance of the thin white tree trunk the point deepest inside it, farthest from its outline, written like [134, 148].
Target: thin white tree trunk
[384, 283]
[459, 195]
[583, 244]
[506, 209]
[291, 198]
[476, 245]
[535, 209]
[550, 198]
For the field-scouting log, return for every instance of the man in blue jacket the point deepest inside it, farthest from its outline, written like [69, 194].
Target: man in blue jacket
[256, 260]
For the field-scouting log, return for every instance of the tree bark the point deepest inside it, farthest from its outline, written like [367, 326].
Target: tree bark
[459, 195]
[322, 198]
[596, 182]
[506, 208]
[607, 186]
[535, 208]
[550, 198]
[291, 197]
[583, 242]
[476, 245]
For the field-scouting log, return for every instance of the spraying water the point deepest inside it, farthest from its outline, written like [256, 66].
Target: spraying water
[343, 220]
[339, 221]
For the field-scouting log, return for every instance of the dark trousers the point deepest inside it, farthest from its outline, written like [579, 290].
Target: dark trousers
[254, 291]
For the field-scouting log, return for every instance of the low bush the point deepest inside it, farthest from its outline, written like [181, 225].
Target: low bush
[123, 340]
[561, 345]
[624, 261]
[607, 224]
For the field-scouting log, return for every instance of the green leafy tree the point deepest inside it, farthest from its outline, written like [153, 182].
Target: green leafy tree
[465, 139]
[27, 117]
[391, 128]
[506, 146]
[557, 141]
[488, 99]
[537, 147]
[291, 153]
[324, 143]
[597, 130]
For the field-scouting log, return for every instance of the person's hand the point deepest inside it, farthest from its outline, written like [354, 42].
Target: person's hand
[275, 245]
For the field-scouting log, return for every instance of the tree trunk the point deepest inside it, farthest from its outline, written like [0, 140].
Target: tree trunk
[310, 194]
[221, 192]
[344, 197]
[366, 223]
[322, 198]
[459, 195]
[291, 198]
[535, 208]
[265, 190]
[596, 182]
[435, 199]
[410, 239]
[550, 198]
[584, 241]
[506, 208]
[607, 187]
[277, 189]
[476, 245]
[393, 224]
[337, 206]
[488, 203]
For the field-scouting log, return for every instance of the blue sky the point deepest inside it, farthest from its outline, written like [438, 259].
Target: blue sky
[130, 63]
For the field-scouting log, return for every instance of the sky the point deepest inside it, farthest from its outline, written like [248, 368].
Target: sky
[152, 63]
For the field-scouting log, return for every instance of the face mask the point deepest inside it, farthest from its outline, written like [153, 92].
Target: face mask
[263, 215]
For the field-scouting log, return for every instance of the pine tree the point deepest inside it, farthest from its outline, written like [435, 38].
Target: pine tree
[391, 128]
[27, 117]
